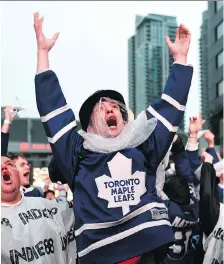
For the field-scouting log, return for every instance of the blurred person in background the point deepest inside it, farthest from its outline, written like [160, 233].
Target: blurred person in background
[23, 168]
[182, 206]
[195, 128]
[211, 213]
[33, 229]
[49, 194]
[20, 162]
[55, 191]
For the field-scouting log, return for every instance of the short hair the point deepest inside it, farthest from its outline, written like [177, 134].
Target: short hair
[14, 156]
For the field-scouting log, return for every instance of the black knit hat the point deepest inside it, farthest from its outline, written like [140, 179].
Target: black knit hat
[87, 107]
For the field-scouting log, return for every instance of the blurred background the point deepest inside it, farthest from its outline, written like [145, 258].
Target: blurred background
[108, 45]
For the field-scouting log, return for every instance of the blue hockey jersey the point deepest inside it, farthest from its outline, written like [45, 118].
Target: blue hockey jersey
[184, 220]
[115, 196]
[32, 192]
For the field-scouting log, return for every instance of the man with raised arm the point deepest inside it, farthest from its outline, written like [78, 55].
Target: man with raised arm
[111, 164]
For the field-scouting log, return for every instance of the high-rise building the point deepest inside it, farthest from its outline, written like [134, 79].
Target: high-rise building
[211, 66]
[203, 51]
[149, 61]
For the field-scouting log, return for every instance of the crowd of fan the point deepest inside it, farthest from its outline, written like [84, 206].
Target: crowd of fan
[163, 202]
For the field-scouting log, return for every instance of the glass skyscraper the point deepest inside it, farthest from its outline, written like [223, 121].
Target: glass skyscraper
[149, 62]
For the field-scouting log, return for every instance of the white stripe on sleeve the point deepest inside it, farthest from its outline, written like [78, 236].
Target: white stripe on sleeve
[61, 132]
[54, 113]
[162, 120]
[173, 102]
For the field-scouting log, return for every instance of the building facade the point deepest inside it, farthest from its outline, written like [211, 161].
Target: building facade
[149, 61]
[211, 67]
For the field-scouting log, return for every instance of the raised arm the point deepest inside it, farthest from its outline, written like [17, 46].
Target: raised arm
[57, 118]
[8, 119]
[195, 125]
[181, 161]
[169, 110]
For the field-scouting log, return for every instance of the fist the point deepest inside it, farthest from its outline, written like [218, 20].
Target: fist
[209, 136]
[196, 123]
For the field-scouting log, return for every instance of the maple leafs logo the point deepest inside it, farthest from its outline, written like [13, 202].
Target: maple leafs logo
[122, 189]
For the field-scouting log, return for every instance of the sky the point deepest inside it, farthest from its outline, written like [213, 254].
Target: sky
[91, 52]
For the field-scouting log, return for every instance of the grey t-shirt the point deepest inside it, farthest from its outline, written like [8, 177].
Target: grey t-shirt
[39, 231]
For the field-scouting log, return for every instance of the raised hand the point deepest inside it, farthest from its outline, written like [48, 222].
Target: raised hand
[43, 43]
[196, 124]
[180, 47]
[210, 138]
[8, 113]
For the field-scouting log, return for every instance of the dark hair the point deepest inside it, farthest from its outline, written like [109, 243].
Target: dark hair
[48, 191]
[13, 156]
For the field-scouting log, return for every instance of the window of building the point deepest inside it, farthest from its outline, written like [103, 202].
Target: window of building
[218, 5]
[219, 59]
[219, 88]
[219, 31]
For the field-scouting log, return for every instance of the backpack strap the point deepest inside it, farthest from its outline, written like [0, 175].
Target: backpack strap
[80, 156]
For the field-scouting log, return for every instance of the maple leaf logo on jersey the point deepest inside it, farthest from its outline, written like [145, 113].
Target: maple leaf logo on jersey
[122, 189]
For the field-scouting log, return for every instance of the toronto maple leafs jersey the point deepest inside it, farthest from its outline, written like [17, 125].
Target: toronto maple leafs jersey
[37, 231]
[184, 220]
[32, 192]
[114, 193]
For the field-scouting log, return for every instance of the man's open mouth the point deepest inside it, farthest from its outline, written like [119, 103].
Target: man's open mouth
[26, 174]
[7, 178]
[112, 122]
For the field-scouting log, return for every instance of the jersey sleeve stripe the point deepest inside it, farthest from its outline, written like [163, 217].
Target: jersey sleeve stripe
[128, 217]
[162, 120]
[54, 113]
[173, 102]
[61, 132]
[122, 235]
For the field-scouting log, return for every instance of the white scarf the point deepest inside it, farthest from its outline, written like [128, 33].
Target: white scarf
[133, 134]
